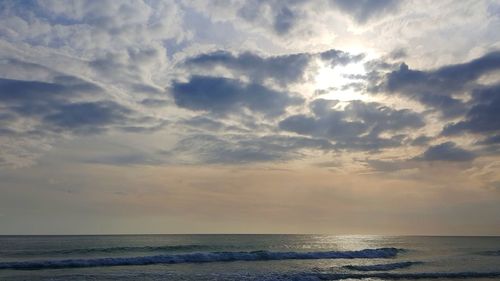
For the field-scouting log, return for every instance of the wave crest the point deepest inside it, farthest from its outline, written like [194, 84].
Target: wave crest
[381, 267]
[397, 276]
[490, 253]
[201, 258]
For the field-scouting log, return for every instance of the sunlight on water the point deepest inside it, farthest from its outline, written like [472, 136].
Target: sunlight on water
[350, 242]
[247, 257]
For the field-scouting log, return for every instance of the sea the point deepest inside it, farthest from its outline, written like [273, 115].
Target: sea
[248, 257]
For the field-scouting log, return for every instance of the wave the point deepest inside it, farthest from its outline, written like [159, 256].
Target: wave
[168, 248]
[397, 276]
[382, 267]
[130, 275]
[490, 253]
[201, 258]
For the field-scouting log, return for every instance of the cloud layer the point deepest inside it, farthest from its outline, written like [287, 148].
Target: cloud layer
[377, 116]
[88, 68]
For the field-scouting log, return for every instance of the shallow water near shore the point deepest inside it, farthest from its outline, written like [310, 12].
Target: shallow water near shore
[248, 257]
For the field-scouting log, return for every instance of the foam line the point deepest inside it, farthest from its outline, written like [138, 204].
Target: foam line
[201, 258]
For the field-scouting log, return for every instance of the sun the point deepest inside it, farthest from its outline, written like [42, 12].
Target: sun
[339, 82]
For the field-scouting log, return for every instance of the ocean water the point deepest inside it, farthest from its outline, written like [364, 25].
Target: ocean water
[248, 257]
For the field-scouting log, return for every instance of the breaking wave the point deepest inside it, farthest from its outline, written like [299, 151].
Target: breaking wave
[201, 258]
[397, 276]
[491, 253]
[381, 267]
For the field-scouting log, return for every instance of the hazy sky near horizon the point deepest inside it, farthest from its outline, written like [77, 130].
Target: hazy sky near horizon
[228, 116]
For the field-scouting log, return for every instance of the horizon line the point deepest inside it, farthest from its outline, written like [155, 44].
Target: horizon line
[329, 234]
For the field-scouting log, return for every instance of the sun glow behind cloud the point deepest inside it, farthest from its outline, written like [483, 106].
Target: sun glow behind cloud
[340, 82]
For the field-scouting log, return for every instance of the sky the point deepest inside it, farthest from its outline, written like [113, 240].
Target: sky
[267, 116]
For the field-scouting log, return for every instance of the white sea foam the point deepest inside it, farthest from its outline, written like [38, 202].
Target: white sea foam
[395, 276]
[201, 258]
[382, 267]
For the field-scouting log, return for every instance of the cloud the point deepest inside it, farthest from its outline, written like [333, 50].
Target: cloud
[93, 67]
[447, 151]
[421, 141]
[363, 11]
[152, 102]
[428, 88]
[21, 92]
[357, 126]
[87, 117]
[284, 16]
[441, 88]
[37, 98]
[446, 79]
[337, 57]
[388, 166]
[284, 20]
[243, 149]
[222, 96]
[37, 113]
[462, 91]
[483, 115]
[204, 123]
[89, 25]
[280, 16]
[131, 67]
[491, 140]
[282, 69]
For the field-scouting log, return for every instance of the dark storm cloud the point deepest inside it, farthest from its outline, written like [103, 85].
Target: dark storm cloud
[357, 126]
[447, 151]
[364, 10]
[223, 95]
[240, 149]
